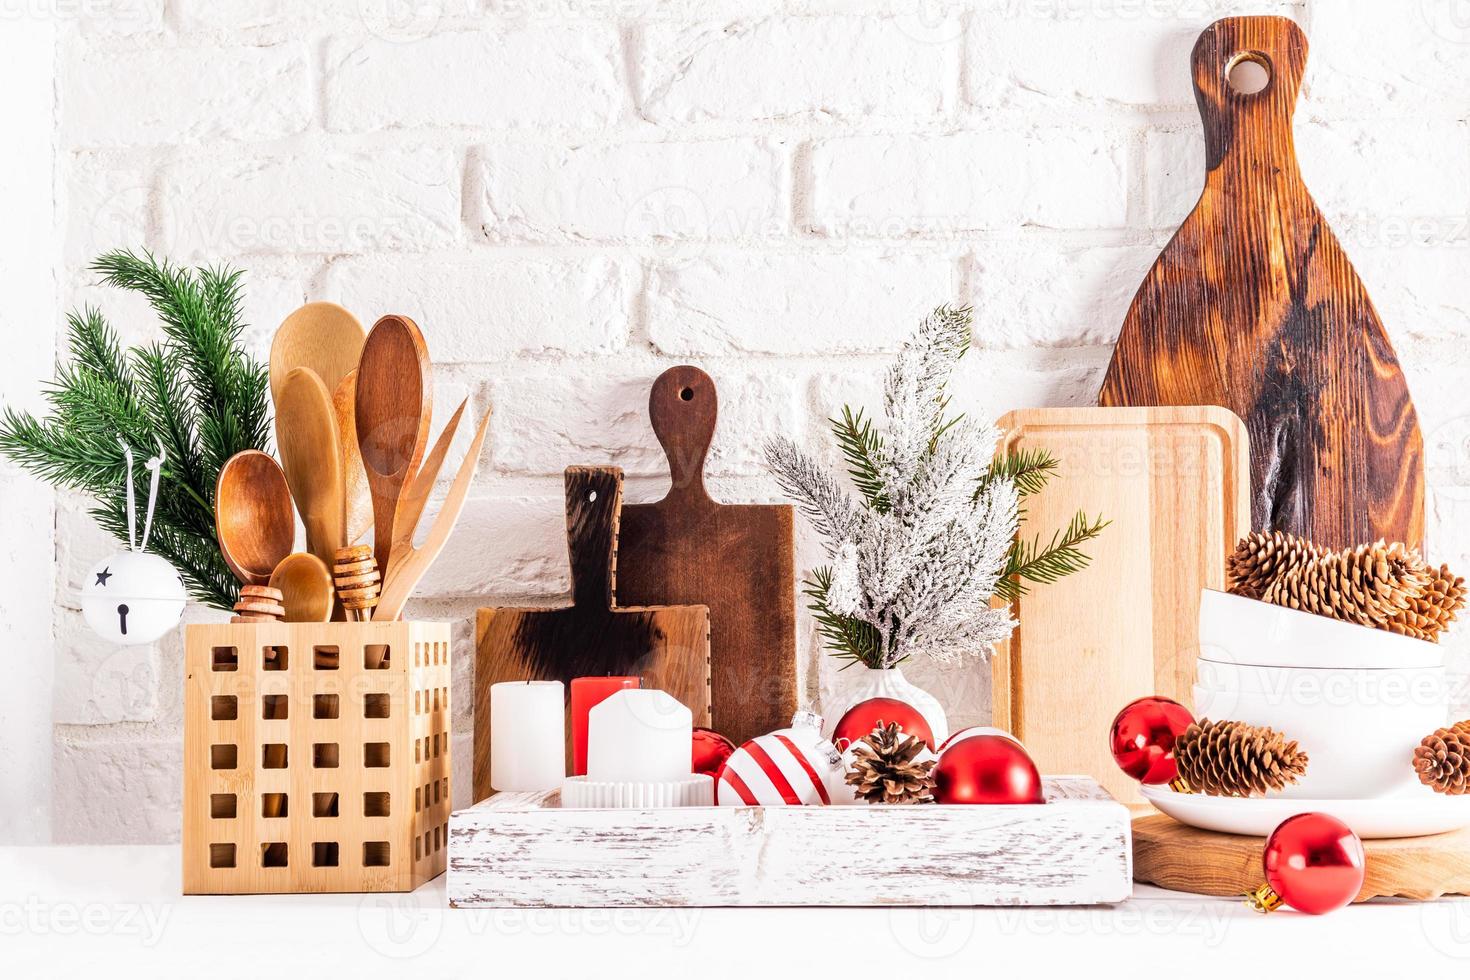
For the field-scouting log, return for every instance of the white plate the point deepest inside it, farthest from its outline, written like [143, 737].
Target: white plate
[1414, 814]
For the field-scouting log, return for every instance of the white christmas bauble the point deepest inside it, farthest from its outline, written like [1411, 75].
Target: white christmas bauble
[795, 766]
[132, 597]
[965, 733]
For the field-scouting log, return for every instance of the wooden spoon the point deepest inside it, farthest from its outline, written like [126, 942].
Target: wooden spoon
[306, 588]
[359, 502]
[306, 433]
[253, 520]
[392, 409]
[400, 582]
[320, 336]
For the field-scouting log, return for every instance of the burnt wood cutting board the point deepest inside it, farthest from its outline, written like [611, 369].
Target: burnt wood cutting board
[1175, 483]
[1254, 306]
[668, 646]
[737, 559]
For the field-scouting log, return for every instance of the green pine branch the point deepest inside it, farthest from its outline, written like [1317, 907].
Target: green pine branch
[847, 638]
[197, 394]
[1028, 561]
[1028, 469]
[860, 444]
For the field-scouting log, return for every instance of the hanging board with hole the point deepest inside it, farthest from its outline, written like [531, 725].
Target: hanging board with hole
[1174, 484]
[1253, 305]
[1169, 854]
[668, 646]
[737, 559]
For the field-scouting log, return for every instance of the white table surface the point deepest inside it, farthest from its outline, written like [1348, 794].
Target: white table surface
[117, 911]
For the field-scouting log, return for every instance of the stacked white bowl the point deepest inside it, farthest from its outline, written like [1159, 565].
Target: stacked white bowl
[1356, 699]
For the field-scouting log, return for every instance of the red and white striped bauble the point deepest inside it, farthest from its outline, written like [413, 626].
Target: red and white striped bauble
[792, 767]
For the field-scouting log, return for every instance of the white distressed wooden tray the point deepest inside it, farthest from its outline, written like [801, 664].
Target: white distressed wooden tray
[523, 850]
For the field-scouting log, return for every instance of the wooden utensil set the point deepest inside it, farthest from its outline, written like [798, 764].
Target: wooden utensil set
[352, 418]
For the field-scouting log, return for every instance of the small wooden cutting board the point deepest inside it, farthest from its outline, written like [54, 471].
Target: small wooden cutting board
[668, 646]
[1174, 482]
[1171, 855]
[737, 559]
[1254, 306]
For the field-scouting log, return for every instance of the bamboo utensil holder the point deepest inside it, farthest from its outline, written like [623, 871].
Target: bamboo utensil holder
[316, 757]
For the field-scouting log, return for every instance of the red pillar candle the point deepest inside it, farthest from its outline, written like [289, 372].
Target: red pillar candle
[588, 692]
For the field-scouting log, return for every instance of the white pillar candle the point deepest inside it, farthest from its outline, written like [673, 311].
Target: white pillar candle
[527, 736]
[639, 736]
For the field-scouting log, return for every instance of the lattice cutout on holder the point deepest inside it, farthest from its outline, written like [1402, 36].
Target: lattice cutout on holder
[303, 744]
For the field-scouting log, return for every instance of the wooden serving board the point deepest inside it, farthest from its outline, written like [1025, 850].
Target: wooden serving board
[1172, 855]
[1173, 482]
[737, 559]
[521, 850]
[667, 645]
[1254, 306]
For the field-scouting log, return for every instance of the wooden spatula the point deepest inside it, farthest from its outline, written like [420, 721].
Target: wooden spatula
[393, 407]
[320, 336]
[1254, 306]
[410, 562]
[306, 433]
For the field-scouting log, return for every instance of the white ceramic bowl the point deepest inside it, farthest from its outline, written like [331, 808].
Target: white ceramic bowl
[1357, 700]
[1236, 630]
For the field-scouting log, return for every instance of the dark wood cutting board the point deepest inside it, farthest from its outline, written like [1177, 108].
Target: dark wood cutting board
[668, 646]
[1254, 306]
[737, 559]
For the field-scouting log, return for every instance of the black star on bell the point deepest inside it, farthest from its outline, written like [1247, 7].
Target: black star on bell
[104, 575]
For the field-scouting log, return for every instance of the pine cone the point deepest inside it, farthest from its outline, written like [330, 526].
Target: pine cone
[1231, 758]
[1261, 557]
[1431, 612]
[885, 770]
[1442, 760]
[1370, 585]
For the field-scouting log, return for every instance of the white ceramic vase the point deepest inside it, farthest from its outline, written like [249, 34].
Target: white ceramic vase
[869, 682]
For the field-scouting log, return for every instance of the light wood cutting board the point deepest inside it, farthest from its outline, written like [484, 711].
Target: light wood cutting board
[1175, 482]
[1171, 855]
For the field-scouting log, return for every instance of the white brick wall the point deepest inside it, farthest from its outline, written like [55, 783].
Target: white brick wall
[570, 197]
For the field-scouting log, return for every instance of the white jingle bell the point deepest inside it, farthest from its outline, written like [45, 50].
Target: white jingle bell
[133, 597]
[795, 766]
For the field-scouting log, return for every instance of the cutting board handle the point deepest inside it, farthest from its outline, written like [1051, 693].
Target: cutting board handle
[683, 408]
[1256, 127]
[594, 501]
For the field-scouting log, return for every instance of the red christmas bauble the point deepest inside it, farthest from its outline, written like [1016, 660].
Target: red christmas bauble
[863, 717]
[986, 769]
[710, 750]
[1142, 738]
[1314, 862]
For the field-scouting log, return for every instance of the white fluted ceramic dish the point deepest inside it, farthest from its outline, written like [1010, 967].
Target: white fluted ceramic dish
[1411, 814]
